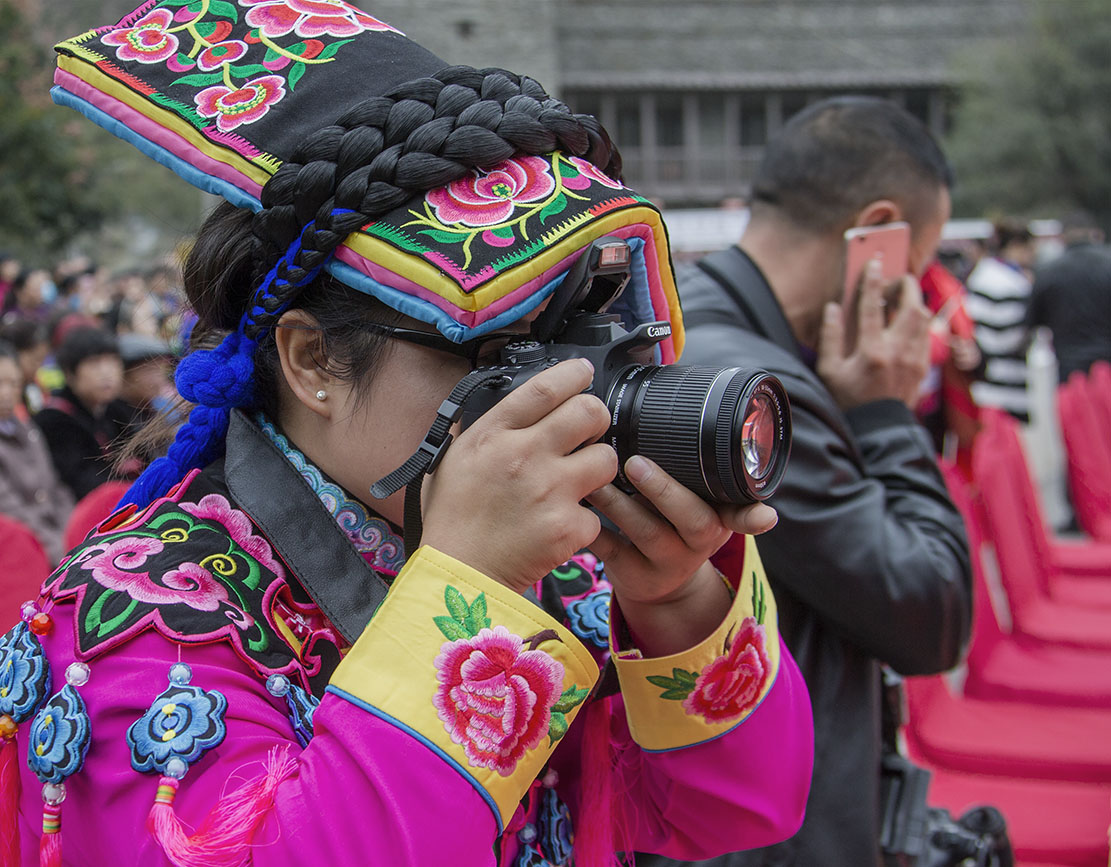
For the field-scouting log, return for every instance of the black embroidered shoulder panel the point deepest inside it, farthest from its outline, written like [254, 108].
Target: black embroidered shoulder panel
[191, 567]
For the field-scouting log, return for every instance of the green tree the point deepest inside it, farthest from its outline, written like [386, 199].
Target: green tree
[66, 185]
[43, 180]
[1032, 129]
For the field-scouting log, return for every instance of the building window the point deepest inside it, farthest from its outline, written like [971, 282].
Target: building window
[669, 120]
[754, 120]
[628, 120]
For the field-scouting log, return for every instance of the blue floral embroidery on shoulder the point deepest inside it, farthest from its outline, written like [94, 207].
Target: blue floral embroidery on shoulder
[184, 722]
[556, 833]
[59, 737]
[590, 617]
[302, 706]
[24, 674]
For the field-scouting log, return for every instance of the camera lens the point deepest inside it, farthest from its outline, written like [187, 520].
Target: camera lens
[725, 433]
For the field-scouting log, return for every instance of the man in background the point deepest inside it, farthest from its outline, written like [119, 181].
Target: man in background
[869, 559]
[1072, 297]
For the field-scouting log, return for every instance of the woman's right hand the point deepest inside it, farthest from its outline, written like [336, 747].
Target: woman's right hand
[506, 498]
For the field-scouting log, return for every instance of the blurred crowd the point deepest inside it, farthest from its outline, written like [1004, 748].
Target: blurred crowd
[86, 358]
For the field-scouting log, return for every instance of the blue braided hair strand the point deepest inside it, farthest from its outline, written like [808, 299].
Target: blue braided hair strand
[219, 380]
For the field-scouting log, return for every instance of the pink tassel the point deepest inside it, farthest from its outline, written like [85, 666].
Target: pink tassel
[50, 846]
[9, 802]
[224, 837]
[594, 826]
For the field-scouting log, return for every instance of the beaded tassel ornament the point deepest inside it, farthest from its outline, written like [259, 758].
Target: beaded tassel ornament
[57, 744]
[180, 726]
[24, 685]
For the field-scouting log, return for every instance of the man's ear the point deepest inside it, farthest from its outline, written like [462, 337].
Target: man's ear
[877, 213]
[300, 344]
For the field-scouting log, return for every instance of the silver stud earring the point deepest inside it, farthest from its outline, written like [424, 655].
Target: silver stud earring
[320, 395]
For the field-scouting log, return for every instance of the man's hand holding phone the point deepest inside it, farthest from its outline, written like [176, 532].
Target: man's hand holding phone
[890, 355]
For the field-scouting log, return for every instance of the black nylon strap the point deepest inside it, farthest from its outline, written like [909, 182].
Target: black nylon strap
[426, 458]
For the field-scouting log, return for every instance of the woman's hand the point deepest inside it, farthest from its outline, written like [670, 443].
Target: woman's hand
[506, 498]
[669, 593]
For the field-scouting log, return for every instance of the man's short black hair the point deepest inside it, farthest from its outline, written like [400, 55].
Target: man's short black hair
[84, 343]
[834, 157]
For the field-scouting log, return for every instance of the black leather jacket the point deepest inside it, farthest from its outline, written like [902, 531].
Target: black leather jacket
[869, 560]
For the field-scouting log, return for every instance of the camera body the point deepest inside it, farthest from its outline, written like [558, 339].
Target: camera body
[722, 432]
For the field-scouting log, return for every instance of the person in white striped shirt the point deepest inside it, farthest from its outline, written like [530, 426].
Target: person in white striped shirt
[999, 295]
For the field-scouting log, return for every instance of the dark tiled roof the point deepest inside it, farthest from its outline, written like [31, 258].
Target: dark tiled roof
[761, 44]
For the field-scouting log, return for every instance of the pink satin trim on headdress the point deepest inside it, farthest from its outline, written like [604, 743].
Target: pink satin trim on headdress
[153, 132]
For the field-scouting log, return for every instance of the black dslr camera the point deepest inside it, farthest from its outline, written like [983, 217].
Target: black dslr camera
[725, 433]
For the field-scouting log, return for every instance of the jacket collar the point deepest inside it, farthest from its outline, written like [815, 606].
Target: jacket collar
[283, 505]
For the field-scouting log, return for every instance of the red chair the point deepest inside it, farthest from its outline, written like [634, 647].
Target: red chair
[1048, 822]
[1007, 739]
[1088, 452]
[24, 565]
[999, 668]
[1047, 606]
[1099, 384]
[92, 509]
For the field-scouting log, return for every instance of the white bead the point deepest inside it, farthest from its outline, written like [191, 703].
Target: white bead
[180, 674]
[77, 674]
[54, 793]
[527, 834]
[277, 685]
[321, 395]
[550, 779]
[28, 610]
[176, 768]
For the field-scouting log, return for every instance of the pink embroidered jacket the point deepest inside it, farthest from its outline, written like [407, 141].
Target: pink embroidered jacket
[448, 732]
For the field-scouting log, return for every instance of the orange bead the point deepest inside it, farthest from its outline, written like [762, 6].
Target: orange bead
[41, 624]
[7, 727]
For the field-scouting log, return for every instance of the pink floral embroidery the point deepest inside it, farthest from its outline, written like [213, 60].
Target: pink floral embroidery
[147, 40]
[189, 584]
[217, 55]
[233, 107]
[214, 507]
[589, 172]
[310, 18]
[494, 698]
[730, 685]
[484, 198]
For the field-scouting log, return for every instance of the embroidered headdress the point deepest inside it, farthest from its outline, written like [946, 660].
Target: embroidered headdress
[457, 196]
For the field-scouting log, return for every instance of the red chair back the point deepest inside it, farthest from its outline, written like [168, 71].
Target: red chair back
[92, 509]
[24, 565]
[1099, 387]
[1088, 454]
[986, 629]
[1011, 510]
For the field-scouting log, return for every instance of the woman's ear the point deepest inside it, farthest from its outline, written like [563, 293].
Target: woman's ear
[300, 344]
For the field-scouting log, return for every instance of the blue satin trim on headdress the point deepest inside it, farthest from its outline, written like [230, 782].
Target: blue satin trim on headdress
[186, 171]
[634, 306]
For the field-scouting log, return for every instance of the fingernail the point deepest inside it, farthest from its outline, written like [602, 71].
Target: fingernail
[830, 312]
[875, 267]
[764, 517]
[638, 469]
[585, 361]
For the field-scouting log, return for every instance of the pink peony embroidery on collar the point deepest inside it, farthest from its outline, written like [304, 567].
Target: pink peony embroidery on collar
[495, 698]
[190, 584]
[730, 685]
[310, 18]
[214, 507]
[147, 40]
[235, 106]
[485, 198]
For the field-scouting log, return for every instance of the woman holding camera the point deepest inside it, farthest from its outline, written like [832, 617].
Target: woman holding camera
[244, 664]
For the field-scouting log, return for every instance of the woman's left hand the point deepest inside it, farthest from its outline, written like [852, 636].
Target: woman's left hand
[670, 595]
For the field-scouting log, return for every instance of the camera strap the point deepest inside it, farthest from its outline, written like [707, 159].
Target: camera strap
[427, 457]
